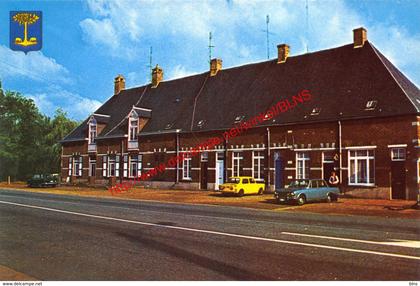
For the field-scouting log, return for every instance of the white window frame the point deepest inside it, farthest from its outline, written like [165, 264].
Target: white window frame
[368, 158]
[204, 156]
[105, 166]
[70, 166]
[134, 160]
[236, 157]
[418, 170]
[78, 166]
[257, 156]
[125, 166]
[399, 151]
[92, 131]
[117, 166]
[303, 157]
[186, 168]
[91, 164]
[133, 129]
[112, 161]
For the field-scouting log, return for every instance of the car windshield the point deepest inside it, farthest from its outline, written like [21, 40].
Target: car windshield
[233, 180]
[299, 183]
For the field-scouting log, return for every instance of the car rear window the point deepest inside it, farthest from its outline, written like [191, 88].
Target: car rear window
[233, 180]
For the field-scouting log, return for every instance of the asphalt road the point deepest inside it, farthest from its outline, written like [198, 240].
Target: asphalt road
[54, 237]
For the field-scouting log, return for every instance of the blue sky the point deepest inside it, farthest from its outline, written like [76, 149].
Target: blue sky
[87, 43]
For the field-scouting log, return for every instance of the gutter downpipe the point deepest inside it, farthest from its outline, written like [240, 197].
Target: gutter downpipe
[225, 159]
[121, 170]
[268, 160]
[340, 150]
[177, 154]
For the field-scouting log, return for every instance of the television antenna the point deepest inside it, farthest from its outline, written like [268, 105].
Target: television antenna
[307, 26]
[210, 46]
[150, 66]
[268, 33]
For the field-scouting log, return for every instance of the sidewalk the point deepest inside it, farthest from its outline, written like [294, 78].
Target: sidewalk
[344, 206]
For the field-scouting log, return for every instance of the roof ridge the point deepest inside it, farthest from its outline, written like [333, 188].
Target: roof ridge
[245, 64]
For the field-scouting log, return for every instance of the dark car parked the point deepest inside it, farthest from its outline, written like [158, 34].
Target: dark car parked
[302, 191]
[43, 180]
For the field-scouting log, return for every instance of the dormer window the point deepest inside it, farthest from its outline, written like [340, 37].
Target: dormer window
[200, 123]
[92, 130]
[316, 111]
[371, 104]
[239, 118]
[133, 126]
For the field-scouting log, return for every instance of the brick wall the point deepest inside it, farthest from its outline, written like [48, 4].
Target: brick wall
[316, 139]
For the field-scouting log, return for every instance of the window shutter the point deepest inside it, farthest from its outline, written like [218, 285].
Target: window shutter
[70, 165]
[139, 165]
[125, 166]
[104, 166]
[80, 166]
[117, 166]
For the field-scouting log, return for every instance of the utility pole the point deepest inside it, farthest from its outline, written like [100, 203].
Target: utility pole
[210, 46]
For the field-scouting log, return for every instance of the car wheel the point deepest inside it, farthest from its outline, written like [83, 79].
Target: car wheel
[301, 200]
[331, 198]
[260, 191]
[241, 193]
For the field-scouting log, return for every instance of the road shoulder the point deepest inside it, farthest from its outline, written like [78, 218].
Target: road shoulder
[344, 206]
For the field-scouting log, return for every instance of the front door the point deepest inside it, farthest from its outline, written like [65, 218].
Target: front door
[278, 171]
[204, 175]
[219, 174]
[327, 168]
[398, 179]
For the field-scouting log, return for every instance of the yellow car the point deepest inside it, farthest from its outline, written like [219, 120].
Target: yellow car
[242, 186]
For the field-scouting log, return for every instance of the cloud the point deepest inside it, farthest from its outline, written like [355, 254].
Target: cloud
[134, 23]
[125, 28]
[35, 66]
[44, 79]
[100, 32]
[401, 48]
[136, 79]
[75, 105]
[178, 72]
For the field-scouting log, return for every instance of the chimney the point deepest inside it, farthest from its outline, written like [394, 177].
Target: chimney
[157, 76]
[283, 53]
[119, 84]
[215, 66]
[359, 37]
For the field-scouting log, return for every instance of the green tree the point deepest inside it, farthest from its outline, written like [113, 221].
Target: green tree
[29, 140]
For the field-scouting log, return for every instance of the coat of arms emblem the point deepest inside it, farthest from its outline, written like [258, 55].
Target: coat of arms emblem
[26, 30]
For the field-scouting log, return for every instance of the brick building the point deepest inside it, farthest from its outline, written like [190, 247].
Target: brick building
[363, 120]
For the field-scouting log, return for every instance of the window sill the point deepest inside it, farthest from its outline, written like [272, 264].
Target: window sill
[187, 179]
[362, 185]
